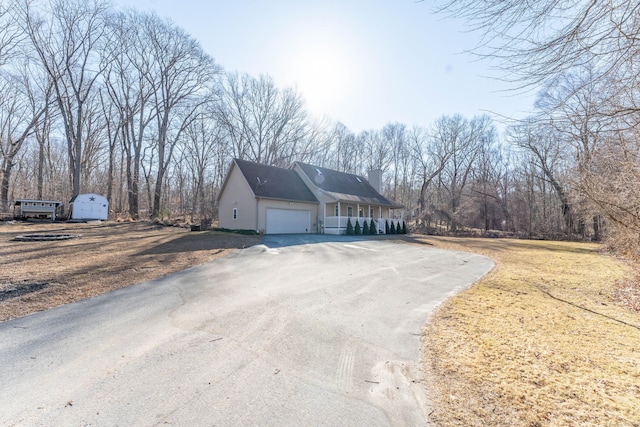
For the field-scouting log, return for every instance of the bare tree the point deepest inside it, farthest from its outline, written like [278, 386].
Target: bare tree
[550, 156]
[111, 135]
[11, 35]
[585, 53]
[43, 137]
[345, 149]
[129, 69]
[67, 42]
[319, 143]
[432, 154]
[582, 110]
[370, 150]
[263, 123]
[94, 129]
[618, 199]
[535, 41]
[198, 151]
[576, 105]
[182, 78]
[22, 106]
[464, 137]
[394, 135]
[489, 202]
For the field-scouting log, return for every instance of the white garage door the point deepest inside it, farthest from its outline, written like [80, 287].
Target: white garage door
[285, 221]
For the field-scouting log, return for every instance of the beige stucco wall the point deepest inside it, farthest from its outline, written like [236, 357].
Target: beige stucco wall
[264, 204]
[237, 194]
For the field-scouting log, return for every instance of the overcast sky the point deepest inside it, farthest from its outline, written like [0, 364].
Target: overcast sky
[362, 62]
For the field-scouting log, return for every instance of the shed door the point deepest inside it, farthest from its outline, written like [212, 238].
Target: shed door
[286, 221]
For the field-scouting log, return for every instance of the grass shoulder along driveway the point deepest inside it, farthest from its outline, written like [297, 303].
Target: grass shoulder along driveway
[540, 341]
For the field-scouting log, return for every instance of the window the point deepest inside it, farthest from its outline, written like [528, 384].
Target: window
[337, 213]
[349, 211]
[360, 213]
[235, 213]
[370, 213]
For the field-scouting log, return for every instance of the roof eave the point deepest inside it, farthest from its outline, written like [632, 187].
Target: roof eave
[288, 200]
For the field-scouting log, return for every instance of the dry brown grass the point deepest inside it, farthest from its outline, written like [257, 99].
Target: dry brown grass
[35, 276]
[540, 341]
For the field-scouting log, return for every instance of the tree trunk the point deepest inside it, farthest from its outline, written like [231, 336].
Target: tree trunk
[596, 228]
[4, 185]
[77, 162]
[41, 160]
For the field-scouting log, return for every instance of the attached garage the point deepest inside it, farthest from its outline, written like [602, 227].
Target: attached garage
[267, 199]
[288, 221]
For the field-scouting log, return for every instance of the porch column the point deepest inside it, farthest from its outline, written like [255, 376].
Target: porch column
[324, 217]
[379, 216]
[339, 216]
[358, 212]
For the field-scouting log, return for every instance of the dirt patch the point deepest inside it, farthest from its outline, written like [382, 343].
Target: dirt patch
[37, 275]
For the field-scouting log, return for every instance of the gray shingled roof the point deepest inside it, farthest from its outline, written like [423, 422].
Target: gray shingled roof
[345, 187]
[275, 183]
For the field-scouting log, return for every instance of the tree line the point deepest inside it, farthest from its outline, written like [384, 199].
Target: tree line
[127, 104]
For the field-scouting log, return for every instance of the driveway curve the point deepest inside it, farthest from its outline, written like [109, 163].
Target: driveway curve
[299, 330]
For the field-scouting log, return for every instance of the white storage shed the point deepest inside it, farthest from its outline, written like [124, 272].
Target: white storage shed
[89, 207]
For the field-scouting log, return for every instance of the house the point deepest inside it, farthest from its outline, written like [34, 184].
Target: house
[89, 207]
[41, 209]
[301, 199]
[267, 199]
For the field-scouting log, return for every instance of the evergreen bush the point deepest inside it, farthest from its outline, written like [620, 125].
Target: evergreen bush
[373, 228]
[357, 230]
[392, 229]
[386, 227]
[349, 227]
[365, 228]
[404, 227]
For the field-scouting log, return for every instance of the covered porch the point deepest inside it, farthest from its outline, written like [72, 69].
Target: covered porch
[335, 216]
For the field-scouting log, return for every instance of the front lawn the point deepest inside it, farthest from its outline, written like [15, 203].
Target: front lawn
[542, 340]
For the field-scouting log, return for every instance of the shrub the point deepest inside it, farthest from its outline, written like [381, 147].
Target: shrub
[245, 232]
[357, 229]
[392, 229]
[365, 227]
[404, 227]
[386, 227]
[349, 227]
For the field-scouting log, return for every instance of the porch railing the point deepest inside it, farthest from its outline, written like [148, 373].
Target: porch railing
[338, 225]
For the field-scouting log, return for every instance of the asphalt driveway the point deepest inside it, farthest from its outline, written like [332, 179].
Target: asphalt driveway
[300, 330]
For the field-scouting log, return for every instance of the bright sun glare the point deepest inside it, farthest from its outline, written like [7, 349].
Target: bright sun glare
[322, 73]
